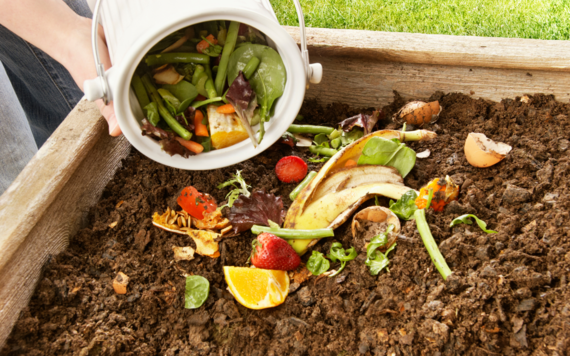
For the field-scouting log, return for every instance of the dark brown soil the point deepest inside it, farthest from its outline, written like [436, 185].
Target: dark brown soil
[508, 295]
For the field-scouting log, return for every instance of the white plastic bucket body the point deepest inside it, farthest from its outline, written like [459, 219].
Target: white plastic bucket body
[132, 27]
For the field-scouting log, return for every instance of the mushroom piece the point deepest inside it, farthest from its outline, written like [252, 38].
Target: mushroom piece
[168, 75]
[372, 221]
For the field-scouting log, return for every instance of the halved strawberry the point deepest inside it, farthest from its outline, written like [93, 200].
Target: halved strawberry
[272, 252]
[291, 169]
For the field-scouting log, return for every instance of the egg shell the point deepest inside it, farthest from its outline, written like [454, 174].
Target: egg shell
[120, 283]
[482, 152]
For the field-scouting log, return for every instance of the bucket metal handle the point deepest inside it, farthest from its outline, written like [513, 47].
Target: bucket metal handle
[313, 77]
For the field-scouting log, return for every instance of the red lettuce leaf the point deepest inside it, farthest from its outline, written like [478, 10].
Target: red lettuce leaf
[256, 210]
[186, 119]
[240, 92]
[367, 122]
[165, 139]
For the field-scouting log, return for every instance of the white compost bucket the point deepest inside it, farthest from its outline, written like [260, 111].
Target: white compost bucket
[132, 27]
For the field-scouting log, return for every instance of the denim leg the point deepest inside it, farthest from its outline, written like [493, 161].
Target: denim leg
[17, 142]
[45, 91]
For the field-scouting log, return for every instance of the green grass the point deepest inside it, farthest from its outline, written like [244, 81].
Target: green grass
[538, 19]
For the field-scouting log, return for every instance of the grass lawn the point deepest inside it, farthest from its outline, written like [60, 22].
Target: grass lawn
[538, 19]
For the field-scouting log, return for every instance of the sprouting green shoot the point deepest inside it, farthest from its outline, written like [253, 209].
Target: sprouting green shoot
[240, 188]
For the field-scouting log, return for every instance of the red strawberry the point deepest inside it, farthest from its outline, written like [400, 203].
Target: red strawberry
[291, 169]
[272, 252]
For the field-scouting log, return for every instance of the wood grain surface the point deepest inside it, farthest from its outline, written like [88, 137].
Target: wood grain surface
[49, 201]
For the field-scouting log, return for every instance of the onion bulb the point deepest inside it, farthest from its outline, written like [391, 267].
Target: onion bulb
[418, 113]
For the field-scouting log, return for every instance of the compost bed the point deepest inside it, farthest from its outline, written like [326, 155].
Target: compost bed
[508, 294]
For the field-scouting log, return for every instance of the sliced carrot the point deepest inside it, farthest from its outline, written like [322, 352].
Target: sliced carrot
[350, 163]
[190, 145]
[199, 128]
[226, 109]
[202, 45]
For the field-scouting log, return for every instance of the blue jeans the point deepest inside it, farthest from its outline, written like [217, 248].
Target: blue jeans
[45, 91]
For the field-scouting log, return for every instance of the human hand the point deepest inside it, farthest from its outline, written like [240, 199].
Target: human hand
[78, 60]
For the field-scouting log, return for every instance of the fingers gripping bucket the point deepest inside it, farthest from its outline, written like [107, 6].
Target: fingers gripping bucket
[133, 27]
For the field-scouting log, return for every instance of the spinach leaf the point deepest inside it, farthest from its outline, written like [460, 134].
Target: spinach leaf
[405, 207]
[184, 91]
[465, 219]
[152, 113]
[391, 153]
[196, 293]
[269, 79]
[318, 264]
[172, 102]
[337, 253]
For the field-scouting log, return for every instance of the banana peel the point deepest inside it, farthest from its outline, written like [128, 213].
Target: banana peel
[316, 208]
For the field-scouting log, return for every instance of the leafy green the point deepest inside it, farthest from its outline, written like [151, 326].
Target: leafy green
[393, 153]
[196, 293]
[172, 102]
[240, 187]
[317, 159]
[318, 264]
[152, 113]
[184, 91]
[465, 219]
[377, 260]
[320, 139]
[269, 79]
[405, 207]
[337, 253]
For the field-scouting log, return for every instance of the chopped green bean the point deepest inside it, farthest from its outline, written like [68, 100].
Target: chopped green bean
[291, 234]
[310, 129]
[140, 91]
[323, 151]
[231, 39]
[172, 123]
[302, 185]
[197, 74]
[197, 104]
[210, 90]
[166, 58]
[251, 67]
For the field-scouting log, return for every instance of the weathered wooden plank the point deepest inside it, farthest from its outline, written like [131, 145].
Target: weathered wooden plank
[365, 82]
[71, 185]
[513, 53]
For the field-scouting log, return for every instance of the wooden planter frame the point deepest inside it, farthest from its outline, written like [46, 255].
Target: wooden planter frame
[50, 199]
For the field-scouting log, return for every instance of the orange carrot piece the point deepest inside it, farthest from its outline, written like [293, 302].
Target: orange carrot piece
[350, 163]
[199, 128]
[226, 109]
[190, 145]
[202, 45]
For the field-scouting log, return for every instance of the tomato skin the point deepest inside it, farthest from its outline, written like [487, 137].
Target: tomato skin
[195, 203]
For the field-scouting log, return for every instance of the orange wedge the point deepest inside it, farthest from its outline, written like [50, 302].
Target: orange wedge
[257, 288]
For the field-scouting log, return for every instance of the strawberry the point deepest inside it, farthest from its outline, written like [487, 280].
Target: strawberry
[291, 169]
[272, 252]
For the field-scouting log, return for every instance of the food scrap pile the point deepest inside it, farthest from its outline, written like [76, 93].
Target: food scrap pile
[382, 249]
[206, 86]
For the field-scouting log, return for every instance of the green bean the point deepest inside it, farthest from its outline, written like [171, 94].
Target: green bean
[197, 74]
[140, 91]
[310, 129]
[166, 58]
[302, 185]
[231, 39]
[224, 96]
[323, 151]
[197, 104]
[291, 234]
[208, 71]
[201, 85]
[251, 67]
[172, 123]
[210, 90]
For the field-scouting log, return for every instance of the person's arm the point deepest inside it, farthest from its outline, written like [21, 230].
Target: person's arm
[54, 28]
